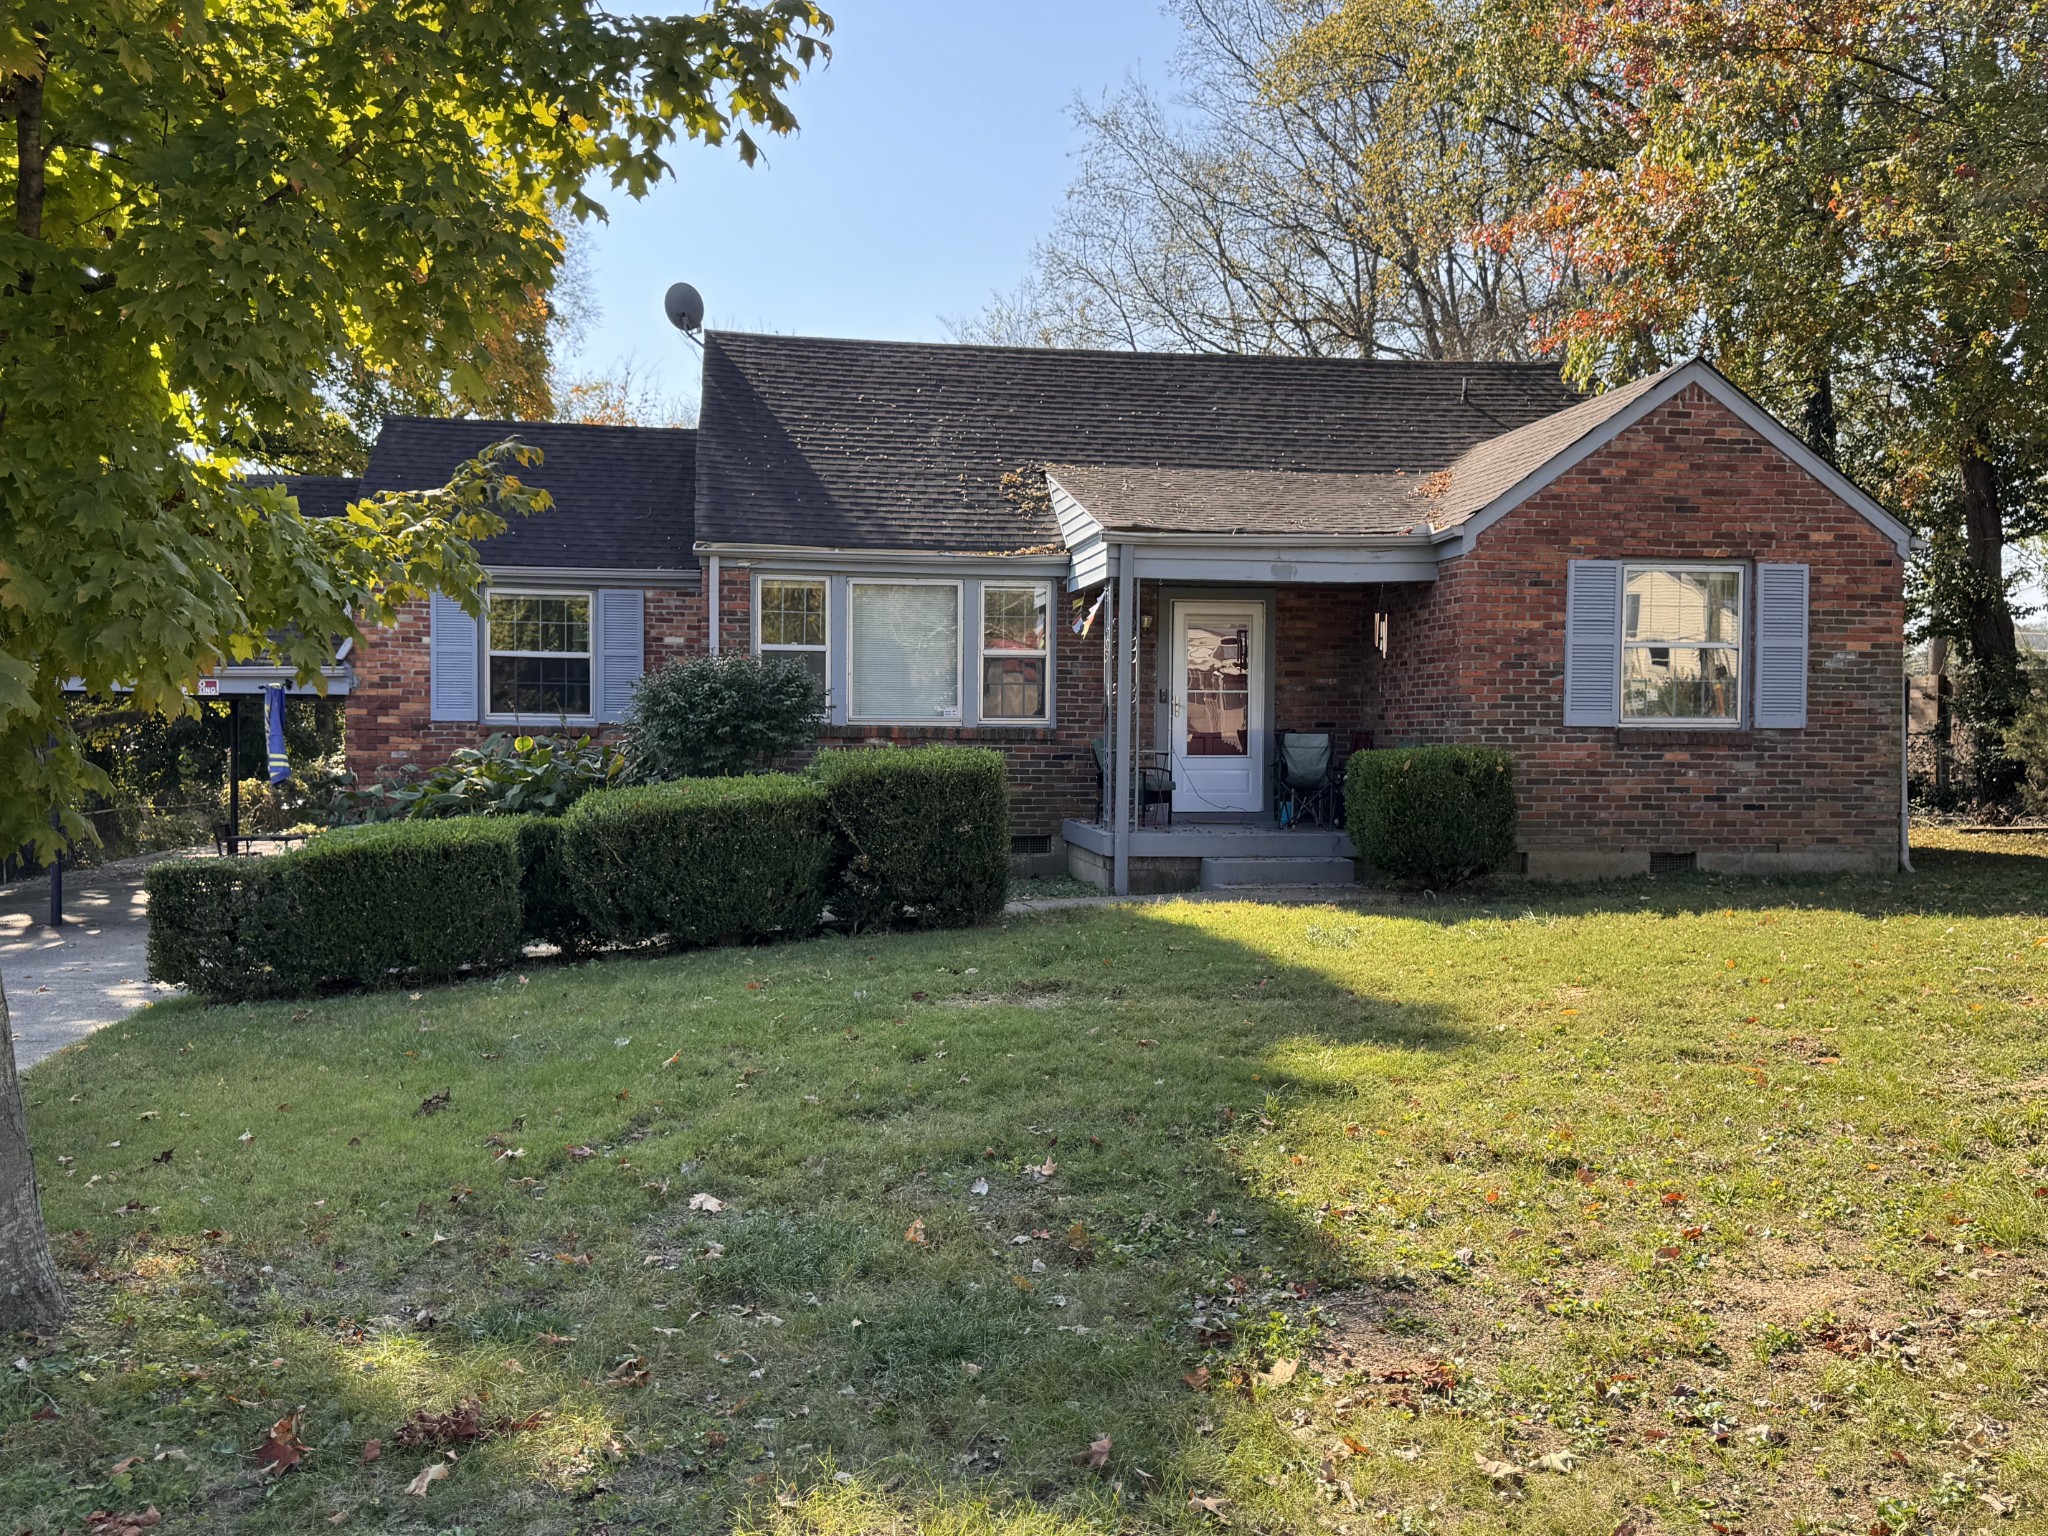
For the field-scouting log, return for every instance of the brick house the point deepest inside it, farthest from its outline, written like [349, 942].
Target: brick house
[1140, 576]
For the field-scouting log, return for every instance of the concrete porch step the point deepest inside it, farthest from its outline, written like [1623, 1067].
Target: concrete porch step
[1236, 872]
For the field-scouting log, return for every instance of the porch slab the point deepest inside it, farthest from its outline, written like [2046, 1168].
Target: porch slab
[1237, 873]
[1216, 840]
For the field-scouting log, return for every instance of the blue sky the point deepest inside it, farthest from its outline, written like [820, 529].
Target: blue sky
[934, 152]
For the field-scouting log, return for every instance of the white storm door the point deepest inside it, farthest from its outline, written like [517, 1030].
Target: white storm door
[1218, 705]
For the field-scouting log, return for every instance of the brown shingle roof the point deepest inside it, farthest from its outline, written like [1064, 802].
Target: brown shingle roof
[1267, 501]
[1486, 470]
[903, 445]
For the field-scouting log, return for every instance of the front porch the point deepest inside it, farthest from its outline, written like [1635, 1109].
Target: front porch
[1211, 855]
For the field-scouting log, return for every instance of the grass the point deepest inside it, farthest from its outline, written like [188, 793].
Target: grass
[1709, 1205]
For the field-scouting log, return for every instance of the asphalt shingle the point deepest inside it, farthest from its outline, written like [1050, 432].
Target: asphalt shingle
[899, 445]
[1268, 501]
[622, 495]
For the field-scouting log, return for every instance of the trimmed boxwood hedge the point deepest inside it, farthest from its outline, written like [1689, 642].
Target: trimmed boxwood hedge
[697, 861]
[363, 906]
[1431, 815]
[922, 835]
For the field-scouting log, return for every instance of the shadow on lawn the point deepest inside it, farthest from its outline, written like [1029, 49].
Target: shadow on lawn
[1133, 1051]
[983, 1360]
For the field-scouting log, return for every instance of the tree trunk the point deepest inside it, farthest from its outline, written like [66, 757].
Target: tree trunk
[1994, 647]
[28, 152]
[31, 1295]
[1822, 427]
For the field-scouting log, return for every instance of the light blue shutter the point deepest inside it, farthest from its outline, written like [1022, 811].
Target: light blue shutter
[622, 649]
[1592, 643]
[451, 660]
[1781, 647]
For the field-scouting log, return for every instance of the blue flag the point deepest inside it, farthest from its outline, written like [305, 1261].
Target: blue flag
[273, 724]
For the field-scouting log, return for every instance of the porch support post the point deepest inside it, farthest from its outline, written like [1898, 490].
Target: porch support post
[1126, 632]
[711, 605]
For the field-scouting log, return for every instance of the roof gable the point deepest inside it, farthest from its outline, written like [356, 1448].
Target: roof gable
[623, 496]
[1492, 478]
[839, 444]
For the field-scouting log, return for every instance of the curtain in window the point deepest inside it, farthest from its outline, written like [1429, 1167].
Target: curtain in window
[906, 651]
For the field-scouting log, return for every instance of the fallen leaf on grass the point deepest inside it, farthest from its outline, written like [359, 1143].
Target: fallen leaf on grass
[106, 1523]
[1208, 1503]
[1096, 1456]
[914, 1233]
[703, 1202]
[980, 1187]
[630, 1372]
[124, 1464]
[464, 1424]
[372, 1449]
[282, 1449]
[430, 1474]
[1281, 1373]
[1356, 1446]
[1499, 1471]
[1556, 1461]
[433, 1103]
[1198, 1378]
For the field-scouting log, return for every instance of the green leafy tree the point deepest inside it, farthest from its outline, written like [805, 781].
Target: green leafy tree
[1843, 205]
[217, 205]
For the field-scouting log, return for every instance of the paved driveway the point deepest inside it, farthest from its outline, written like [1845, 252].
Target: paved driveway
[64, 983]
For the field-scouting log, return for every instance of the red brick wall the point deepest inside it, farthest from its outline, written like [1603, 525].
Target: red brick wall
[389, 707]
[1480, 658]
[1052, 769]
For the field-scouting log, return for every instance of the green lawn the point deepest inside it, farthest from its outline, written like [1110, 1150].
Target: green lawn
[1690, 1205]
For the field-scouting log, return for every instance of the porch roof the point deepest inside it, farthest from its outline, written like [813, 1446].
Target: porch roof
[1179, 499]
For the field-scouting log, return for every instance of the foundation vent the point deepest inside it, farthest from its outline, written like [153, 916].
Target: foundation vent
[1036, 843]
[1673, 863]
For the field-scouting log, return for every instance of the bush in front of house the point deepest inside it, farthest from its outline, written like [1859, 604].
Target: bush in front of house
[506, 776]
[1431, 816]
[922, 835]
[361, 906]
[712, 717]
[699, 861]
[547, 901]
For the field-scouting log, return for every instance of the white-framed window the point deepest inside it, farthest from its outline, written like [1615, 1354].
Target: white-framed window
[790, 619]
[903, 650]
[1016, 674]
[1682, 644]
[538, 664]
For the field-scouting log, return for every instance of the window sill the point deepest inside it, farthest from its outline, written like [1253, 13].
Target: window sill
[857, 730]
[543, 722]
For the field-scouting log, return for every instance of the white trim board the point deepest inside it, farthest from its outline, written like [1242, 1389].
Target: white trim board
[1457, 540]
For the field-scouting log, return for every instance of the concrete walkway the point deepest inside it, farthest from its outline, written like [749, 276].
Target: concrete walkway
[64, 983]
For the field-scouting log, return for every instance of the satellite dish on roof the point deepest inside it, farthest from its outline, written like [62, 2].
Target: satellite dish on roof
[685, 307]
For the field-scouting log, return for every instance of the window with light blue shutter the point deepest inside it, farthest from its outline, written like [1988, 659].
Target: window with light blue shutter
[452, 662]
[1592, 643]
[622, 649]
[1782, 600]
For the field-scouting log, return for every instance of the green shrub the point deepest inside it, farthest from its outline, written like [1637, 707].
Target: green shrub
[698, 861]
[1431, 815]
[715, 716]
[507, 775]
[922, 833]
[547, 902]
[363, 906]
[2026, 744]
[216, 925]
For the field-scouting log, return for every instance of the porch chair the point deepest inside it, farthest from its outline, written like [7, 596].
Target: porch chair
[1309, 778]
[1155, 783]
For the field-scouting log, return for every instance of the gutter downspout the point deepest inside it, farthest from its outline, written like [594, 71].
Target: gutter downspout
[711, 607]
[1905, 781]
[1126, 706]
